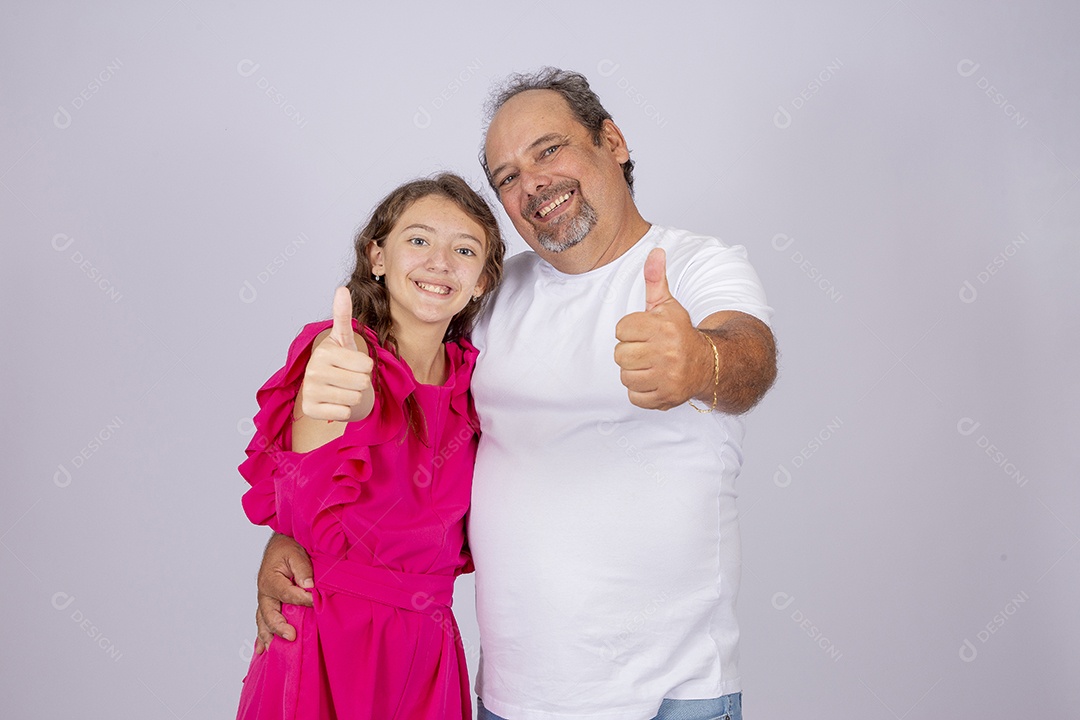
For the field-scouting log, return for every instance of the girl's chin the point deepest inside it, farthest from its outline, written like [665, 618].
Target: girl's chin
[439, 316]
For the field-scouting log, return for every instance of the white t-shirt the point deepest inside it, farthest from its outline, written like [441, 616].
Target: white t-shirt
[605, 536]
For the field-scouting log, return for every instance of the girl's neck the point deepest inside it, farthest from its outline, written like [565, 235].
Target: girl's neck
[422, 350]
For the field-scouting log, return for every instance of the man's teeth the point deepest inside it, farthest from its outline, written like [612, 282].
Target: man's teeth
[441, 289]
[554, 204]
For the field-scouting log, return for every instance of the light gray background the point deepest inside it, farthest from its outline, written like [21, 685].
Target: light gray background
[909, 505]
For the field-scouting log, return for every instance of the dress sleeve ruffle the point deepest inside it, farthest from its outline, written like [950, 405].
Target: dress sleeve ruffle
[344, 473]
[269, 454]
[351, 463]
[462, 361]
[287, 486]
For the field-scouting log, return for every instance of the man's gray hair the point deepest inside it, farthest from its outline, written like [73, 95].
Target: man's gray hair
[574, 88]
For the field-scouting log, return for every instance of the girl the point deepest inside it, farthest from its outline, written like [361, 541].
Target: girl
[363, 452]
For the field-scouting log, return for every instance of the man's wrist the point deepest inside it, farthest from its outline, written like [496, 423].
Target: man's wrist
[709, 364]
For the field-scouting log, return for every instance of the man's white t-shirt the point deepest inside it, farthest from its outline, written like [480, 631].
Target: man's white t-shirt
[605, 536]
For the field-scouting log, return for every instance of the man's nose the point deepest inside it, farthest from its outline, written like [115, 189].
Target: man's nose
[535, 182]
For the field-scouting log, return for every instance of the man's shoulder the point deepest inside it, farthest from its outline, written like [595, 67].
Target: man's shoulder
[525, 260]
[686, 245]
[518, 268]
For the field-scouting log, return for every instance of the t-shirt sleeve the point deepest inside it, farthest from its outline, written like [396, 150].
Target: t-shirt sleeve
[269, 456]
[713, 277]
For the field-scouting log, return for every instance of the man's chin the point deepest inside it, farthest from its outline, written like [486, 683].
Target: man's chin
[572, 234]
[546, 242]
[553, 245]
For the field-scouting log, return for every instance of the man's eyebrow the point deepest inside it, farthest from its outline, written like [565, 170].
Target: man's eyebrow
[532, 146]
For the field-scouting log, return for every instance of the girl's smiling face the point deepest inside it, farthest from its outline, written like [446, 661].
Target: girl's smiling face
[431, 262]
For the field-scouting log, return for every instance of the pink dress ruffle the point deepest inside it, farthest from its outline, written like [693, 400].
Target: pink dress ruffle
[381, 511]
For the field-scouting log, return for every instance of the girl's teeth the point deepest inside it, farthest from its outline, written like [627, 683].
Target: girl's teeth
[434, 288]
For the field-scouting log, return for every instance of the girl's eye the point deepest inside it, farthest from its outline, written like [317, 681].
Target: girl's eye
[417, 241]
[466, 252]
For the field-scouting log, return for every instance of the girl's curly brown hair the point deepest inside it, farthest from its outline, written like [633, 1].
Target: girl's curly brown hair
[371, 303]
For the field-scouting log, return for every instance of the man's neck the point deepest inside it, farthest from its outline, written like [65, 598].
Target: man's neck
[595, 251]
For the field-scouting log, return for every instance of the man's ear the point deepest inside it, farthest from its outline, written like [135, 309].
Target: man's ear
[611, 138]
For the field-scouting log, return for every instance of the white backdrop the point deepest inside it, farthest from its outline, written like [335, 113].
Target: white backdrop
[179, 183]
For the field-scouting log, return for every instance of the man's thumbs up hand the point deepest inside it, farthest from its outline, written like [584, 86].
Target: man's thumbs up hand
[337, 381]
[659, 350]
[656, 287]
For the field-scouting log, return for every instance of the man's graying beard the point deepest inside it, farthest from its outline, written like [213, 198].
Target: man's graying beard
[575, 231]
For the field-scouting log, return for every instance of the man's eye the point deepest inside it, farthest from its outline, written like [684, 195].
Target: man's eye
[506, 180]
[551, 150]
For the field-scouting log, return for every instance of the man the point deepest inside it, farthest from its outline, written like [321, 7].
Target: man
[614, 362]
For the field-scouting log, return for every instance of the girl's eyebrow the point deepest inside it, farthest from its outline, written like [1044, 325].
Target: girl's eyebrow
[421, 226]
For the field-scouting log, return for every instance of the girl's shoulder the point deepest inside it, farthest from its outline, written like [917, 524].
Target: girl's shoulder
[314, 333]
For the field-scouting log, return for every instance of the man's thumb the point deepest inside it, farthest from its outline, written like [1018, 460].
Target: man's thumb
[342, 332]
[300, 565]
[656, 287]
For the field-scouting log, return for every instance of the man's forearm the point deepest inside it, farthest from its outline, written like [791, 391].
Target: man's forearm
[747, 359]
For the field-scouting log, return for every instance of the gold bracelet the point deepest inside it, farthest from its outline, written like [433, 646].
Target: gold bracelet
[716, 377]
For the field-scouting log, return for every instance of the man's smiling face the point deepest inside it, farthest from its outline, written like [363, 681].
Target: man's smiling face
[556, 185]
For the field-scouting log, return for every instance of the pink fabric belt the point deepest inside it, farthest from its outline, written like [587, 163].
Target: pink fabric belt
[290, 681]
[409, 591]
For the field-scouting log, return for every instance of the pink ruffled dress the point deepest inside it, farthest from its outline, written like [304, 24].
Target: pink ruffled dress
[382, 514]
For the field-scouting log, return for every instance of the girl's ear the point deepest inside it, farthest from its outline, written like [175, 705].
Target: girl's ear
[375, 257]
